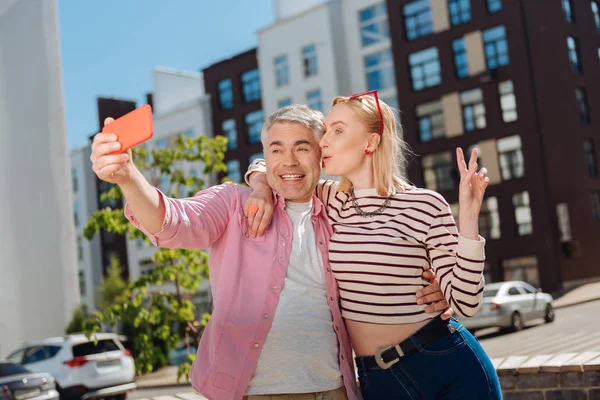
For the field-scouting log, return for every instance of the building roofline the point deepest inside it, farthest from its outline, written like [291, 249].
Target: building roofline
[226, 60]
[295, 16]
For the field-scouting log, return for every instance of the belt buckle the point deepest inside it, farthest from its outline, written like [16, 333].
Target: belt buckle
[379, 358]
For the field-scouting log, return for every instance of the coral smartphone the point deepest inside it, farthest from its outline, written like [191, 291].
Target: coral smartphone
[132, 128]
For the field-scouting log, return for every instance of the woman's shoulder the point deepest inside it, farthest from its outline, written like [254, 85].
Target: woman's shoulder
[423, 194]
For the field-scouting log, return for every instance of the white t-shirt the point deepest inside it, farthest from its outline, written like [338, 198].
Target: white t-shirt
[300, 354]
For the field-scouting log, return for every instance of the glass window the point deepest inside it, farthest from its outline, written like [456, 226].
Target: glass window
[254, 122]
[425, 68]
[439, 171]
[510, 155]
[233, 170]
[313, 99]
[89, 348]
[380, 70]
[430, 117]
[281, 71]
[39, 353]
[513, 291]
[76, 214]
[374, 24]
[255, 156]
[284, 102]
[496, 47]
[573, 47]
[459, 11]
[81, 283]
[494, 6]
[161, 143]
[460, 58]
[582, 104]
[596, 12]
[74, 177]
[508, 102]
[417, 19]
[230, 131]
[567, 7]
[489, 219]
[521, 269]
[79, 248]
[596, 205]
[473, 109]
[16, 357]
[564, 223]
[251, 85]
[590, 158]
[309, 57]
[523, 213]
[225, 94]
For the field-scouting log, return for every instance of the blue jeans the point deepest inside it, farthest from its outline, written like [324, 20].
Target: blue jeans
[453, 367]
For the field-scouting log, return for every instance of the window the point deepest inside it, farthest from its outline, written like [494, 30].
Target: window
[89, 348]
[473, 109]
[459, 11]
[39, 353]
[254, 122]
[233, 170]
[430, 118]
[374, 24]
[229, 130]
[590, 158]
[523, 213]
[521, 269]
[189, 133]
[564, 224]
[596, 12]
[380, 70]
[511, 157]
[79, 248]
[225, 94]
[568, 10]
[460, 58]
[508, 102]
[81, 283]
[146, 266]
[309, 57]
[417, 19]
[284, 102]
[584, 115]
[513, 291]
[574, 54]
[76, 214]
[596, 205]
[489, 219]
[425, 68]
[496, 48]
[494, 6]
[251, 85]
[16, 358]
[255, 156]
[438, 171]
[161, 143]
[313, 99]
[281, 71]
[74, 177]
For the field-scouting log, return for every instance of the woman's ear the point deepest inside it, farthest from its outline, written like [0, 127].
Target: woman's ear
[373, 141]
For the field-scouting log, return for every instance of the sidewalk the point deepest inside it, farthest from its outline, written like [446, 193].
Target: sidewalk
[167, 376]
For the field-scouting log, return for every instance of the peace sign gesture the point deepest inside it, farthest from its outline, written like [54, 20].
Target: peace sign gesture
[472, 184]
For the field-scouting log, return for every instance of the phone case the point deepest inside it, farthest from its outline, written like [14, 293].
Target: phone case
[132, 128]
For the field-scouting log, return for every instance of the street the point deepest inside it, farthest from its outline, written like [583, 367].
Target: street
[574, 330]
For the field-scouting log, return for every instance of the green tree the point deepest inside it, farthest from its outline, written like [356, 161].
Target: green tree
[160, 302]
[114, 289]
[78, 320]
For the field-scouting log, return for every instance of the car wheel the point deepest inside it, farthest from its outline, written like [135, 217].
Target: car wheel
[549, 316]
[516, 323]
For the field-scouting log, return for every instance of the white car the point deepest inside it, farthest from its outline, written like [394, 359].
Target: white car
[83, 370]
[510, 305]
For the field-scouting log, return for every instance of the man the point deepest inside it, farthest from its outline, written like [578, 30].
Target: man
[276, 327]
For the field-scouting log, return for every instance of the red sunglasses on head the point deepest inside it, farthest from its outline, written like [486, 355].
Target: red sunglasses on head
[374, 93]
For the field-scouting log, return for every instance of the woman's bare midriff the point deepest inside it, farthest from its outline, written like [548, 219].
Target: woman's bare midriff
[367, 338]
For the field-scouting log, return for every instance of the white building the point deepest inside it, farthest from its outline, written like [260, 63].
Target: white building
[38, 266]
[180, 106]
[313, 53]
[85, 203]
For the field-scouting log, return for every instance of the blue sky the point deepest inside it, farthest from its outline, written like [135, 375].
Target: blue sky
[109, 47]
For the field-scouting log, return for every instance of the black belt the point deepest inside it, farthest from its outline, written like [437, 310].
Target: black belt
[386, 357]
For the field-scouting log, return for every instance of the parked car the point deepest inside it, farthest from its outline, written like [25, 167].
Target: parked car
[179, 354]
[16, 382]
[510, 305]
[82, 369]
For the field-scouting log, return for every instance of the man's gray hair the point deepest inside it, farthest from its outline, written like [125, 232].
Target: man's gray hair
[296, 114]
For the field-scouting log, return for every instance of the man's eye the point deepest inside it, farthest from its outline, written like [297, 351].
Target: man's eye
[302, 149]
[275, 151]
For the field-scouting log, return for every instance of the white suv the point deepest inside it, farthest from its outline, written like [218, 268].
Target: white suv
[82, 369]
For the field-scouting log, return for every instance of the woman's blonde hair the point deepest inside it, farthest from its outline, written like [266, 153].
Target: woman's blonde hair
[390, 156]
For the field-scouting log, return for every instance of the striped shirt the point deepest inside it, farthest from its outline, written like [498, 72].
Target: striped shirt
[378, 261]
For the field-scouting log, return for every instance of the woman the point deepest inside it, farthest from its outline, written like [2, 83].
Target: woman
[386, 232]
